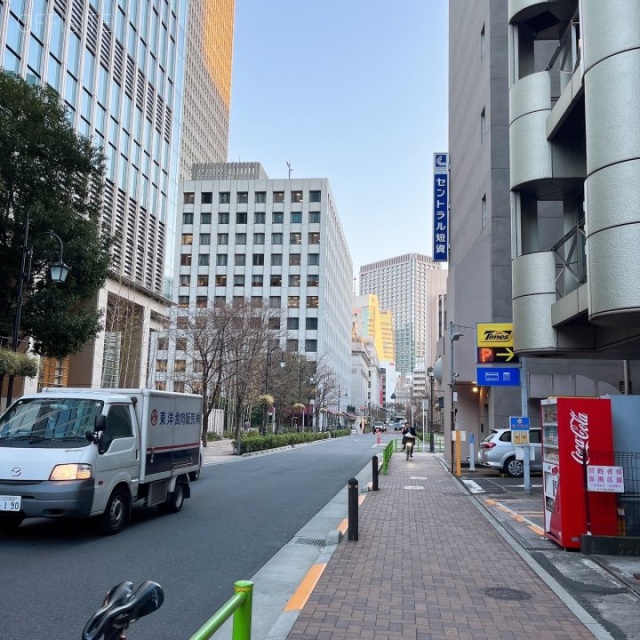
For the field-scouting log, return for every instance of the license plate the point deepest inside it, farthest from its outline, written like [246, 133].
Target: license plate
[10, 503]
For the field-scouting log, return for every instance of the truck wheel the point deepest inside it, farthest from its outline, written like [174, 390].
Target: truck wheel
[10, 522]
[194, 475]
[116, 515]
[176, 499]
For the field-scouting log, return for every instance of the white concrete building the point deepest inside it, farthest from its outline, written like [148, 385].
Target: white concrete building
[244, 235]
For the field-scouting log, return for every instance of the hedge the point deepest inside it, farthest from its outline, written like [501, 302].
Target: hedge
[253, 442]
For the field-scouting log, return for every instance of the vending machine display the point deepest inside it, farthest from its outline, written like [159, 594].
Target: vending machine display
[576, 431]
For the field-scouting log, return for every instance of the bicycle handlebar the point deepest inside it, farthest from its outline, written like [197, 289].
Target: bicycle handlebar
[122, 606]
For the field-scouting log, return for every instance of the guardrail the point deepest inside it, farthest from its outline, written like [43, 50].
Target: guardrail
[239, 605]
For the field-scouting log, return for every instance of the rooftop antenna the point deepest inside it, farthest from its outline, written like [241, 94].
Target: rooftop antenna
[290, 169]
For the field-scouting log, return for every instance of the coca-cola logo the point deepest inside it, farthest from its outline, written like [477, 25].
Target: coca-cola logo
[579, 425]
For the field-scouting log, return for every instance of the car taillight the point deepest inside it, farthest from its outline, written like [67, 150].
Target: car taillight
[487, 445]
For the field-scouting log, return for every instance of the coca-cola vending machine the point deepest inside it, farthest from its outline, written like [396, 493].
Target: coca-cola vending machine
[576, 432]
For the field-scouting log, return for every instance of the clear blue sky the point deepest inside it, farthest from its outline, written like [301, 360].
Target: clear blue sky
[350, 90]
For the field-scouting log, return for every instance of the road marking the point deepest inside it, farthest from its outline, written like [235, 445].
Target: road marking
[305, 588]
[517, 516]
[343, 526]
[414, 486]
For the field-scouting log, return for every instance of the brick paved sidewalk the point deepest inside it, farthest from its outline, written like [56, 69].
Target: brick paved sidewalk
[424, 558]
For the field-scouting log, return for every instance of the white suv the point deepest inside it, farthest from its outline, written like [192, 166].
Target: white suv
[497, 451]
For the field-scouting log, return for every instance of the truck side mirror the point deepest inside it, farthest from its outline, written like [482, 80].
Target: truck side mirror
[96, 435]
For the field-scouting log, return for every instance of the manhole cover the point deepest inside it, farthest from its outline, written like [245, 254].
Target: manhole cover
[501, 593]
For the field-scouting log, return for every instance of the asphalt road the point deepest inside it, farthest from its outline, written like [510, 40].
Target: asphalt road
[54, 574]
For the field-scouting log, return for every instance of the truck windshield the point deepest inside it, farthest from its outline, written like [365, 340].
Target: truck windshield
[54, 422]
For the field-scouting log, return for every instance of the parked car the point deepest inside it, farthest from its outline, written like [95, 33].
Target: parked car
[497, 451]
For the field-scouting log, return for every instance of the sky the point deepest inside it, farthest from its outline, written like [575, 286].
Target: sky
[350, 90]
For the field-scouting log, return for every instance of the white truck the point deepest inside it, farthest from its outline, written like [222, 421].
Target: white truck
[76, 453]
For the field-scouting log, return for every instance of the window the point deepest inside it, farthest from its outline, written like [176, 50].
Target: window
[242, 197]
[207, 197]
[276, 259]
[221, 260]
[294, 260]
[296, 196]
[273, 323]
[219, 301]
[201, 302]
[203, 280]
[223, 218]
[277, 238]
[315, 196]
[258, 260]
[182, 322]
[277, 217]
[178, 387]
[259, 217]
[205, 218]
[225, 197]
[221, 280]
[278, 196]
[161, 365]
[311, 324]
[314, 259]
[261, 197]
[485, 213]
[203, 260]
[238, 280]
[180, 366]
[313, 280]
[241, 217]
[295, 238]
[189, 197]
[296, 217]
[274, 302]
[237, 301]
[241, 238]
[293, 302]
[205, 238]
[163, 344]
[187, 217]
[257, 280]
[185, 260]
[187, 238]
[223, 238]
[240, 259]
[183, 301]
[258, 238]
[185, 280]
[181, 344]
[314, 216]
[294, 280]
[293, 324]
[275, 280]
[292, 345]
[312, 302]
[314, 237]
[311, 345]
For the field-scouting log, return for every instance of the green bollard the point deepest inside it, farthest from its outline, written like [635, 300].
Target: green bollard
[242, 615]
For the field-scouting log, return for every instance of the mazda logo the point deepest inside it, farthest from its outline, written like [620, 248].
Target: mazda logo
[16, 471]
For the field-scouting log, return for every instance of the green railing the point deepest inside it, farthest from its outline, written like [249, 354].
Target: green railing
[386, 456]
[239, 605]
[438, 443]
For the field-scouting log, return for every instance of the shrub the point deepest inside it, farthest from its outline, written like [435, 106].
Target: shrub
[255, 442]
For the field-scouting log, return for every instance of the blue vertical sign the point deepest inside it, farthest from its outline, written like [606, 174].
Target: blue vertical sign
[440, 207]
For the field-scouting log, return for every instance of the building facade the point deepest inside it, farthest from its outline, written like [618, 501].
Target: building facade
[119, 67]
[515, 201]
[280, 241]
[408, 286]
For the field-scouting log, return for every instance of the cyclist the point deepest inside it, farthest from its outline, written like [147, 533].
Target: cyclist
[408, 438]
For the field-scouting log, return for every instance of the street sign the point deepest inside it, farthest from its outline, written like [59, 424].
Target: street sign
[519, 431]
[487, 355]
[498, 376]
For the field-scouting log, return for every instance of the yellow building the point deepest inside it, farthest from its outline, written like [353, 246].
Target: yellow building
[370, 322]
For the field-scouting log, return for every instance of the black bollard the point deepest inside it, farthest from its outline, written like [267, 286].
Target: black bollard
[352, 534]
[374, 473]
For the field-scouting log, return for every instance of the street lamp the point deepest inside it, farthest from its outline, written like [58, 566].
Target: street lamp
[282, 364]
[453, 336]
[431, 375]
[58, 272]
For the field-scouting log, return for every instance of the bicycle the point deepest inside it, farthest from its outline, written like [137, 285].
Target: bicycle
[409, 447]
[122, 606]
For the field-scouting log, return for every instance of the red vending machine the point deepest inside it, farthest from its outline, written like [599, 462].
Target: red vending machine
[576, 430]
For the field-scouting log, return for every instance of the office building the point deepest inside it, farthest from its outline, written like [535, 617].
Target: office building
[408, 286]
[280, 241]
[120, 69]
[530, 210]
